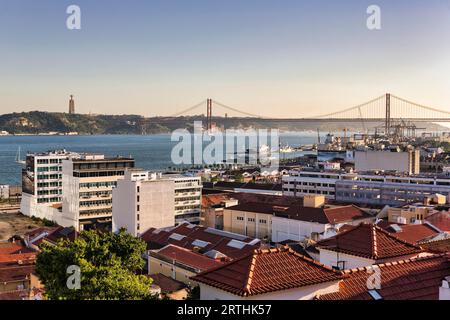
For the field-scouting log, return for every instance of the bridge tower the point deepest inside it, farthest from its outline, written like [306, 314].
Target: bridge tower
[388, 115]
[209, 114]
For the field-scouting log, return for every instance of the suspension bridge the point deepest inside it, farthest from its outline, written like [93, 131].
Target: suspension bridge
[389, 110]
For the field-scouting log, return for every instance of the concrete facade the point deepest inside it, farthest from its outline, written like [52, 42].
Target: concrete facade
[140, 204]
[406, 162]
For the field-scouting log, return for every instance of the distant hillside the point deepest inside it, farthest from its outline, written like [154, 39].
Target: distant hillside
[36, 122]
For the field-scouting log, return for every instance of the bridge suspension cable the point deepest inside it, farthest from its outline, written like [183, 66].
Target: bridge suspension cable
[188, 109]
[237, 110]
[421, 106]
[340, 112]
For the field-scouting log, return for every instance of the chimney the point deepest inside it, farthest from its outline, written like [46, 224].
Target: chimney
[313, 201]
[444, 290]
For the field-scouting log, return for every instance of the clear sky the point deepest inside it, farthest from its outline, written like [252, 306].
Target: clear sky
[270, 57]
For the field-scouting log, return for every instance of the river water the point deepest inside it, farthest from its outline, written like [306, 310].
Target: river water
[152, 152]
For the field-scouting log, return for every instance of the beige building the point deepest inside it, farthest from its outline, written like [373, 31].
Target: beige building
[251, 219]
[409, 214]
[179, 263]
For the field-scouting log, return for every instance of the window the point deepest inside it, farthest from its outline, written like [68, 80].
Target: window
[138, 217]
[138, 208]
[138, 189]
[240, 218]
[138, 199]
[251, 219]
[263, 221]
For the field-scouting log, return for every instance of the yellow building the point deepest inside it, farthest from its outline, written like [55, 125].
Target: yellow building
[251, 219]
[409, 214]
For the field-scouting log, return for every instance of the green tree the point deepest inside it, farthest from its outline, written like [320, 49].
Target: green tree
[108, 264]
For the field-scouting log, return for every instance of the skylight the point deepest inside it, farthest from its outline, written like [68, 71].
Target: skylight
[236, 244]
[200, 243]
[176, 236]
[375, 295]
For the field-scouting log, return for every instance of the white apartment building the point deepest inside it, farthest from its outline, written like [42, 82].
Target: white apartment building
[188, 198]
[88, 182]
[142, 201]
[42, 183]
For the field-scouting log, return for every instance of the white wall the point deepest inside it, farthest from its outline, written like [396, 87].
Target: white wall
[30, 207]
[71, 195]
[156, 205]
[302, 293]
[444, 289]
[289, 229]
[381, 160]
[329, 258]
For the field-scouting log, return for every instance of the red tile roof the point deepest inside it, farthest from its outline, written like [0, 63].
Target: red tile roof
[167, 284]
[10, 251]
[441, 220]
[413, 233]
[16, 272]
[186, 257]
[160, 238]
[414, 279]
[439, 246]
[369, 241]
[265, 271]
[325, 215]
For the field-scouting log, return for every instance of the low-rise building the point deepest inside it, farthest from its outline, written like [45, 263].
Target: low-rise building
[188, 249]
[292, 221]
[365, 245]
[179, 263]
[369, 188]
[301, 222]
[18, 279]
[276, 274]
[423, 278]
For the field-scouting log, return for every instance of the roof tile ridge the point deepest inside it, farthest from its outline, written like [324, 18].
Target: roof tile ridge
[394, 263]
[251, 269]
[374, 242]
[226, 264]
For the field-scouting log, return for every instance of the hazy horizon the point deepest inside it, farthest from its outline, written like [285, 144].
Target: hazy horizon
[289, 58]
